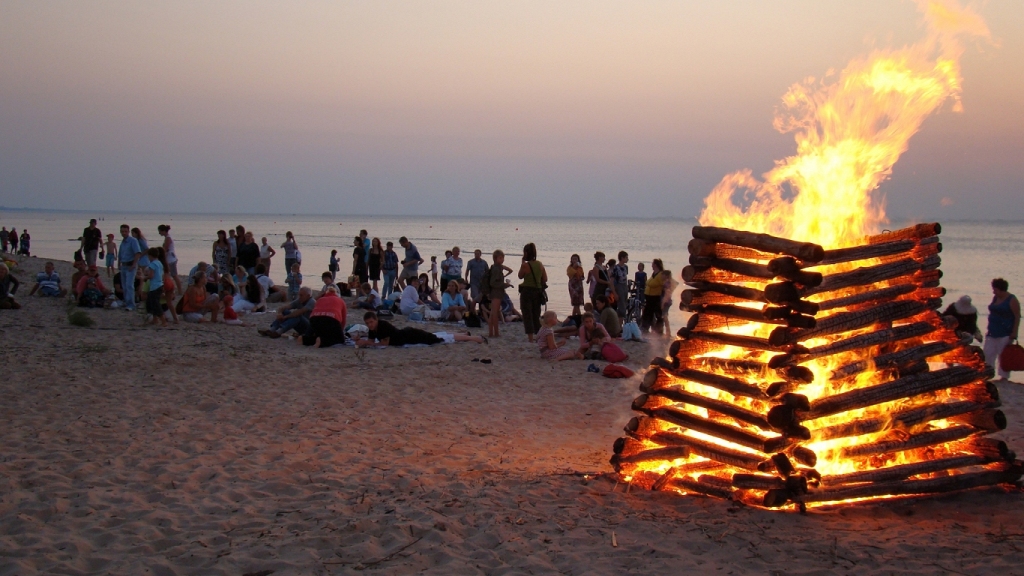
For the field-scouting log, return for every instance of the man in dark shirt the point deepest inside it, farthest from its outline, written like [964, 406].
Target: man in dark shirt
[294, 316]
[91, 238]
[383, 334]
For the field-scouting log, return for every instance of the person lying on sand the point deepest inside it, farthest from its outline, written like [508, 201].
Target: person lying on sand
[383, 334]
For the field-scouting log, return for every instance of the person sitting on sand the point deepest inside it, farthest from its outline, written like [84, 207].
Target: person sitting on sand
[252, 297]
[427, 294]
[48, 283]
[370, 299]
[196, 301]
[80, 270]
[966, 317]
[90, 291]
[8, 286]
[326, 321]
[608, 317]
[550, 348]
[294, 316]
[410, 299]
[383, 334]
[328, 281]
[592, 337]
[453, 306]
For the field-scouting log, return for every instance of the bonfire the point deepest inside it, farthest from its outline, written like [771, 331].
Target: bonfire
[815, 368]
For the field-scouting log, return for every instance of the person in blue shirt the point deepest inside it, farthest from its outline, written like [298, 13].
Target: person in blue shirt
[128, 255]
[390, 269]
[155, 275]
[453, 305]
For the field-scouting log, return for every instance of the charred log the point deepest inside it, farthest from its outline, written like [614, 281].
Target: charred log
[765, 243]
[903, 471]
[710, 451]
[847, 321]
[918, 231]
[916, 441]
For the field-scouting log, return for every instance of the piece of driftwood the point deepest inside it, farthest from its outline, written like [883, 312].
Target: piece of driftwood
[765, 243]
[905, 387]
[903, 471]
[708, 450]
[919, 440]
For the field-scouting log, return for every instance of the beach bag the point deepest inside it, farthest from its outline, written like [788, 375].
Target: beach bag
[472, 321]
[630, 331]
[1012, 358]
[616, 371]
[612, 353]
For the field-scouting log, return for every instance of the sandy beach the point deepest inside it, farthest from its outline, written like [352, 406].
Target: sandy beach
[206, 449]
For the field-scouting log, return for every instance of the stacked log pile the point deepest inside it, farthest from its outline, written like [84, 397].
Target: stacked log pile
[807, 375]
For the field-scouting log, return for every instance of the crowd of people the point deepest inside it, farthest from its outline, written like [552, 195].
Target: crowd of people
[236, 281]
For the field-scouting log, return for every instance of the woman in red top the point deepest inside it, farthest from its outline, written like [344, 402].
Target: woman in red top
[326, 321]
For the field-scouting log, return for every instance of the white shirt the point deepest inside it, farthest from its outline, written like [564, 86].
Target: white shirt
[266, 282]
[410, 299]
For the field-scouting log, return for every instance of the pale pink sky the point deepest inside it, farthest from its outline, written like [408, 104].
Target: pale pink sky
[476, 108]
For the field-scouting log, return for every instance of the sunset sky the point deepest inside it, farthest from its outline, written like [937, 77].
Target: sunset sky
[466, 108]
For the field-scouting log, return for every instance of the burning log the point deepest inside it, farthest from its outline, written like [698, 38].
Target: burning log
[697, 487]
[905, 387]
[740, 267]
[917, 441]
[883, 294]
[841, 255]
[990, 420]
[847, 321]
[740, 414]
[915, 487]
[724, 383]
[763, 242]
[901, 420]
[992, 449]
[739, 292]
[855, 343]
[916, 232]
[757, 482]
[710, 451]
[903, 471]
[652, 455]
[703, 425]
[698, 247]
[748, 342]
[731, 313]
[690, 298]
[872, 275]
[899, 358]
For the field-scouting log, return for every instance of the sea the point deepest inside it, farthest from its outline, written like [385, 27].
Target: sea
[974, 252]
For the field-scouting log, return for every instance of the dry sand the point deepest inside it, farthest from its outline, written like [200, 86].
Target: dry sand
[206, 449]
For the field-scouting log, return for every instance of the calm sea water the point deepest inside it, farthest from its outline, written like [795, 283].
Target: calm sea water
[973, 252]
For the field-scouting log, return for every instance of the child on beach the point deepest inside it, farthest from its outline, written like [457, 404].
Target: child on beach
[433, 270]
[154, 272]
[640, 278]
[333, 266]
[230, 316]
[328, 280]
[495, 284]
[294, 282]
[110, 247]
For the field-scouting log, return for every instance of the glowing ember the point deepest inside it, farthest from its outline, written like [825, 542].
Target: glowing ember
[818, 370]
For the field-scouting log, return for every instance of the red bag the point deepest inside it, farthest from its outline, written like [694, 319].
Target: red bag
[1012, 358]
[612, 353]
[616, 371]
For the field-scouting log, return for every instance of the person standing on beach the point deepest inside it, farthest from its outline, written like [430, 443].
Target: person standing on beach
[4, 237]
[12, 237]
[411, 263]
[495, 285]
[233, 249]
[172, 258]
[26, 247]
[155, 274]
[266, 253]
[389, 267]
[249, 253]
[359, 259]
[451, 268]
[598, 277]
[129, 254]
[111, 249]
[476, 269]
[576, 274]
[290, 248]
[620, 283]
[1003, 324]
[652, 314]
[91, 239]
[531, 291]
[364, 236]
[223, 255]
[375, 261]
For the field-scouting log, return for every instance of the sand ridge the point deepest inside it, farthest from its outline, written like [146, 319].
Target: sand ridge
[203, 449]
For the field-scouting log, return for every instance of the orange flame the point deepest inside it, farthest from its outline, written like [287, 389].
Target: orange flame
[849, 133]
